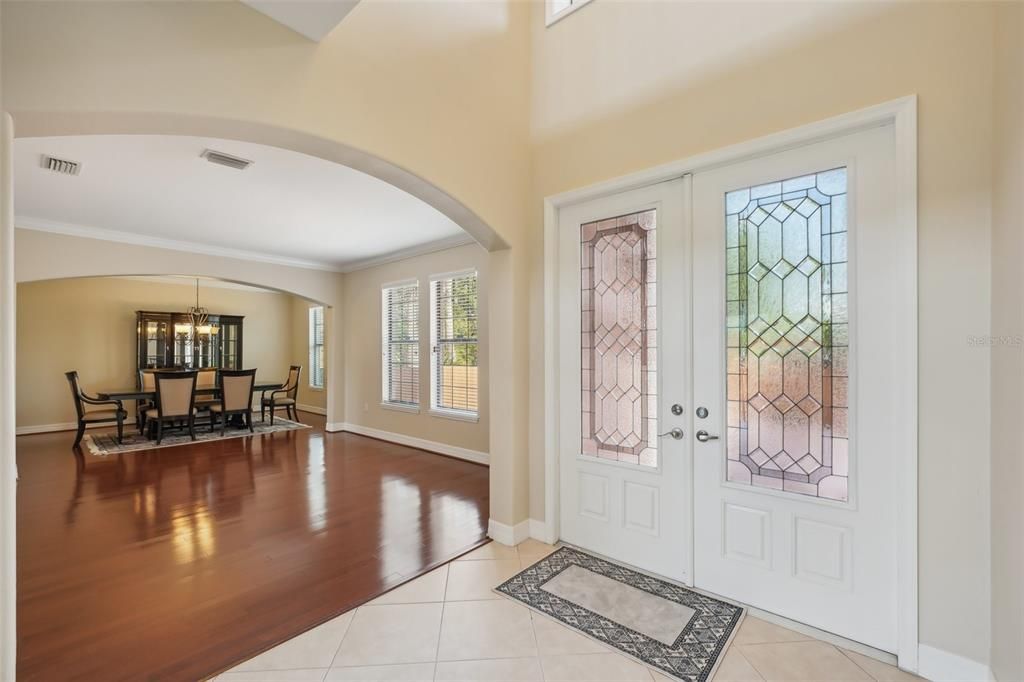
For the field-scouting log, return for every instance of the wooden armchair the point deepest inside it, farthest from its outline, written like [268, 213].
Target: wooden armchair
[113, 410]
[236, 387]
[175, 401]
[285, 397]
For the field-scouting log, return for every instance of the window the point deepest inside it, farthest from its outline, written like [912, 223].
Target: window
[454, 330]
[316, 347]
[556, 9]
[400, 336]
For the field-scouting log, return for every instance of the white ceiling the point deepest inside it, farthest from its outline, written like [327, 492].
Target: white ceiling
[286, 207]
[312, 18]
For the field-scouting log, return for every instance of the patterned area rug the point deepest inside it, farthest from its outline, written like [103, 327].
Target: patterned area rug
[677, 631]
[106, 443]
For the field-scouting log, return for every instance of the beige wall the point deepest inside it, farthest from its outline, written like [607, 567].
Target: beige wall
[299, 311]
[361, 328]
[89, 325]
[1008, 347]
[852, 57]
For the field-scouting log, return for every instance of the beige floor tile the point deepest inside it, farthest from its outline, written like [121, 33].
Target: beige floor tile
[492, 550]
[485, 629]
[475, 580]
[401, 672]
[312, 649]
[592, 667]
[426, 588]
[735, 668]
[790, 661]
[883, 672]
[555, 639]
[299, 675]
[534, 550]
[756, 631]
[391, 633]
[492, 670]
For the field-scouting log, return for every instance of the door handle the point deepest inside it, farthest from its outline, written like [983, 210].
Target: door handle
[676, 433]
[704, 436]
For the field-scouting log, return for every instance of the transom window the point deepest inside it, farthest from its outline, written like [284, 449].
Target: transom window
[316, 346]
[400, 335]
[454, 342]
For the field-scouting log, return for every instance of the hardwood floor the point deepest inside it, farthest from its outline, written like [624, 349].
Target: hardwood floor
[180, 562]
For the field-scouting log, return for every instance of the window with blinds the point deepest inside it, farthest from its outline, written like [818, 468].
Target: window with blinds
[454, 342]
[400, 336]
[316, 347]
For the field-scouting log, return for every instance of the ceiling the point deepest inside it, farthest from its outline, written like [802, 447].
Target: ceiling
[286, 207]
[312, 18]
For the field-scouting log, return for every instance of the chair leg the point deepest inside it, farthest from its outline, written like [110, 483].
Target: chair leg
[159, 431]
[192, 427]
[78, 436]
[295, 414]
[272, 408]
[248, 419]
[223, 422]
[263, 411]
[120, 429]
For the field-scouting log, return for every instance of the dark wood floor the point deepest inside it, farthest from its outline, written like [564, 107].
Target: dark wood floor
[180, 562]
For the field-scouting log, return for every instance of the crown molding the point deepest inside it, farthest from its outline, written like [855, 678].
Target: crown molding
[190, 281]
[411, 252]
[89, 232]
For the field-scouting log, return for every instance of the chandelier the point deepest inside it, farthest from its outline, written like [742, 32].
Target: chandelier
[200, 319]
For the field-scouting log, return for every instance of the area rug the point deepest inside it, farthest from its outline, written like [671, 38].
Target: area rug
[106, 443]
[673, 629]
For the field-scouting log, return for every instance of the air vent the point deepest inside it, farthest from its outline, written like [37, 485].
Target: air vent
[226, 159]
[62, 166]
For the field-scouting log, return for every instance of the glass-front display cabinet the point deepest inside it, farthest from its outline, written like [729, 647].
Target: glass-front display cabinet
[168, 341]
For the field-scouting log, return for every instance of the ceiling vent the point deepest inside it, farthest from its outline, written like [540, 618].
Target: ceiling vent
[62, 166]
[228, 160]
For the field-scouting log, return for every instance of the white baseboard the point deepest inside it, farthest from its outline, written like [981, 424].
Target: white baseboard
[414, 442]
[508, 535]
[68, 426]
[539, 530]
[312, 409]
[939, 665]
[334, 427]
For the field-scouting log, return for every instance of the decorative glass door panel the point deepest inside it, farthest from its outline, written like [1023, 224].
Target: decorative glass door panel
[618, 350]
[787, 335]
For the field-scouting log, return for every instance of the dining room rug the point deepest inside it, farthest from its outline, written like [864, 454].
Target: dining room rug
[106, 443]
[679, 632]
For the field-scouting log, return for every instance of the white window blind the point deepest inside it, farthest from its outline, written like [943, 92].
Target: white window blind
[400, 314]
[316, 347]
[454, 338]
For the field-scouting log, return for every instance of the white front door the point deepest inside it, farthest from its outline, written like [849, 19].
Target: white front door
[795, 481]
[623, 351]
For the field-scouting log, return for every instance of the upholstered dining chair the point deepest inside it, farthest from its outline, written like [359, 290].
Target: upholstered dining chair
[207, 379]
[86, 408]
[146, 383]
[286, 397]
[235, 387]
[175, 401]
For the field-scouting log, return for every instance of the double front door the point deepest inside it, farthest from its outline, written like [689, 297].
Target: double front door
[726, 406]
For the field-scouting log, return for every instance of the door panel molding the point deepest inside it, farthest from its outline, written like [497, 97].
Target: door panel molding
[902, 115]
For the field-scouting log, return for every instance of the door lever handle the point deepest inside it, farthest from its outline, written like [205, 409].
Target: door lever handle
[704, 436]
[676, 433]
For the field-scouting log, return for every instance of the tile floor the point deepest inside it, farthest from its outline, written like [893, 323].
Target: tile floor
[449, 625]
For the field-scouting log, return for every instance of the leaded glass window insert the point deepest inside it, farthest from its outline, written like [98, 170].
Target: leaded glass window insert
[787, 335]
[619, 335]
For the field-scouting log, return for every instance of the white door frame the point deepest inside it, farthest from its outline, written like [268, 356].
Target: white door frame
[902, 115]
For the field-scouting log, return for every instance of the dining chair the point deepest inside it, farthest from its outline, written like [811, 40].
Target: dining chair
[146, 383]
[207, 379]
[175, 401]
[113, 410]
[289, 395]
[235, 388]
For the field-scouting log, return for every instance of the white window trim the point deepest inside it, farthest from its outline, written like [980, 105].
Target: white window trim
[551, 17]
[311, 340]
[443, 412]
[384, 402]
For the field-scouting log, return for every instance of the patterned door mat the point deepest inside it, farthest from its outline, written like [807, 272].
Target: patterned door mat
[668, 627]
[106, 443]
